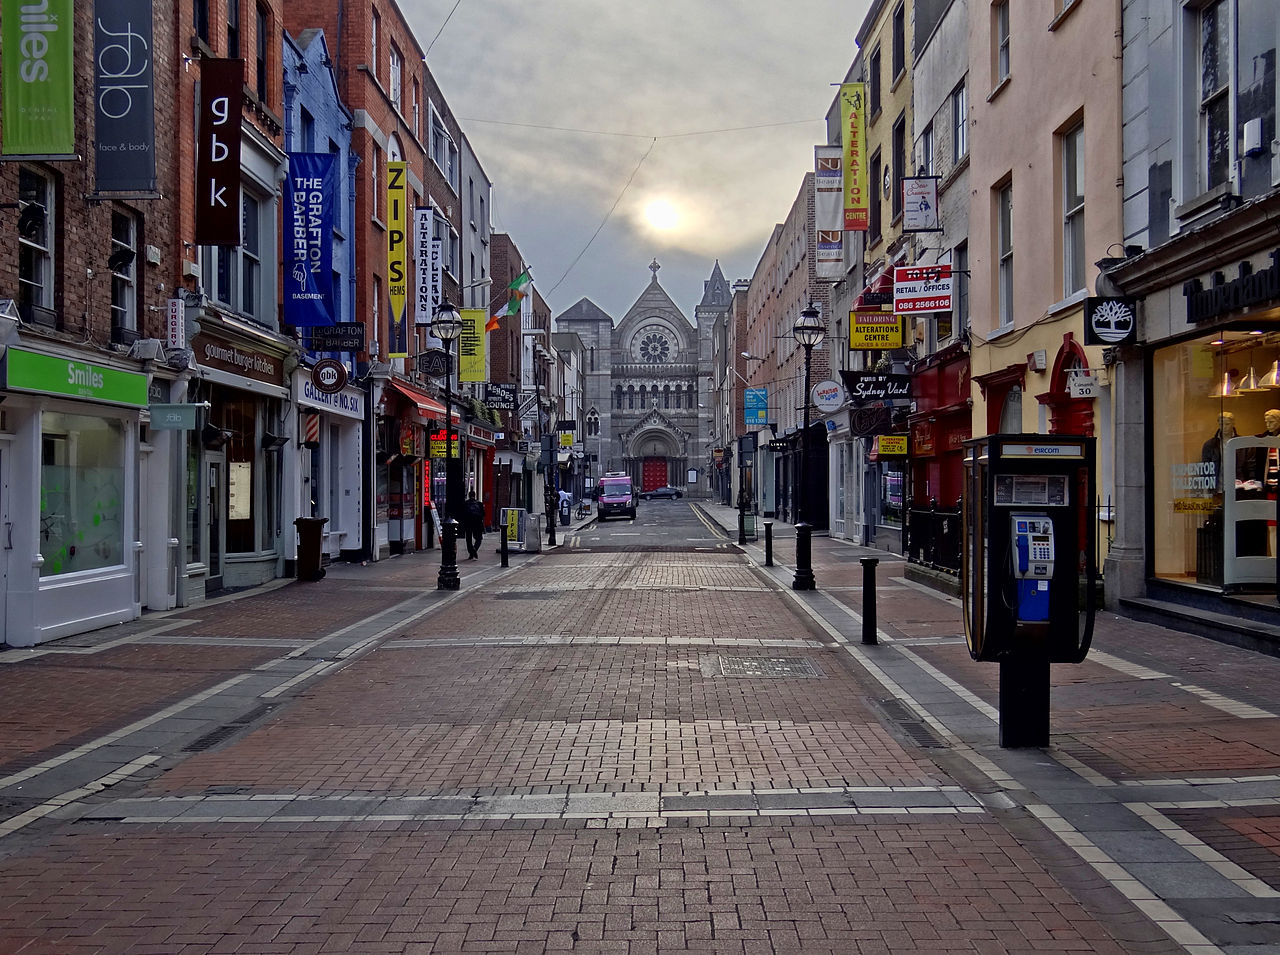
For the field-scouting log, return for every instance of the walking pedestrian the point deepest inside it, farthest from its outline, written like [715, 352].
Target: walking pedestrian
[473, 525]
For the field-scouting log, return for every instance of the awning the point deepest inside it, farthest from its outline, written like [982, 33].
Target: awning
[877, 293]
[427, 406]
[563, 457]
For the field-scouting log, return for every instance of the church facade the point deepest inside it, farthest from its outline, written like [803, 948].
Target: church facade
[647, 380]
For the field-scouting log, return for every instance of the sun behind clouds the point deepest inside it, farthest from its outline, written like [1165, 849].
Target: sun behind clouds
[661, 215]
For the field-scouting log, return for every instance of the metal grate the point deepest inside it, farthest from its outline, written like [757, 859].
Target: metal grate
[528, 595]
[770, 667]
[226, 730]
[920, 734]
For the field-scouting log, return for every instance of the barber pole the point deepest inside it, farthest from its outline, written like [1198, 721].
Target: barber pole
[311, 430]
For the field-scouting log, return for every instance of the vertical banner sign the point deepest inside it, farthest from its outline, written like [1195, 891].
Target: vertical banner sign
[308, 239]
[853, 122]
[427, 257]
[176, 324]
[124, 96]
[397, 259]
[471, 345]
[38, 107]
[828, 207]
[218, 152]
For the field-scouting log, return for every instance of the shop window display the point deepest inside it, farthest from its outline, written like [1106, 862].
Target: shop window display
[81, 493]
[1216, 459]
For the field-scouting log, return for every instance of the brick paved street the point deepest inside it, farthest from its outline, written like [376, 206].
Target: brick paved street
[632, 750]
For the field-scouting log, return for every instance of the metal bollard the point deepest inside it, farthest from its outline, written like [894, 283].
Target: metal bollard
[869, 599]
[768, 543]
[503, 547]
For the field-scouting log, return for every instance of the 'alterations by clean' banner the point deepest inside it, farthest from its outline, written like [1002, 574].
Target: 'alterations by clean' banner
[38, 105]
[308, 239]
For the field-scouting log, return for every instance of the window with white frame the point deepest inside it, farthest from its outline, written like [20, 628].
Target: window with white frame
[416, 106]
[375, 27]
[236, 270]
[1004, 249]
[123, 262]
[441, 229]
[1237, 93]
[1000, 36]
[959, 124]
[375, 174]
[926, 151]
[35, 238]
[395, 69]
[1073, 263]
[444, 152]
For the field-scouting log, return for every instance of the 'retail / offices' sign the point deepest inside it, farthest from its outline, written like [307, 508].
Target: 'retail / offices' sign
[38, 96]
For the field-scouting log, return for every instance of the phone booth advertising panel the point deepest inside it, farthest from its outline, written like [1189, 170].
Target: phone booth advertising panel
[1030, 551]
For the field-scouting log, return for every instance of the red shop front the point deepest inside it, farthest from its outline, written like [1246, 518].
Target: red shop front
[940, 425]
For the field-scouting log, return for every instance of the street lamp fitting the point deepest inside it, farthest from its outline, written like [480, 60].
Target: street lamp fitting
[446, 323]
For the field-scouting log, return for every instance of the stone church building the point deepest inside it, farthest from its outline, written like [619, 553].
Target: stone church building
[648, 379]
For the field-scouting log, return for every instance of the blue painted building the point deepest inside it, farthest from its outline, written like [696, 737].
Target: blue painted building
[325, 466]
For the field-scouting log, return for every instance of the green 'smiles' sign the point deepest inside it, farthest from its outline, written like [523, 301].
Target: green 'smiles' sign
[50, 375]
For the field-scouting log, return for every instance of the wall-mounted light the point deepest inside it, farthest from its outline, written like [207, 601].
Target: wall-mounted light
[273, 442]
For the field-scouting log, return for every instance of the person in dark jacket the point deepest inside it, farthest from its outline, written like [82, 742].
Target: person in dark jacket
[473, 525]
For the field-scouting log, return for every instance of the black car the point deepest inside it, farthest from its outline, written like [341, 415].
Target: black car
[667, 491]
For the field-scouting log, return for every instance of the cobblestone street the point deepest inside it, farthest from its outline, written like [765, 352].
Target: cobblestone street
[651, 750]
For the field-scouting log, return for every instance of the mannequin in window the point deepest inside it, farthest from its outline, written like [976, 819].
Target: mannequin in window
[1211, 450]
[1269, 473]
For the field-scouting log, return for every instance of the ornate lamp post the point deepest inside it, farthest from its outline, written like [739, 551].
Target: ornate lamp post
[808, 331]
[446, 325]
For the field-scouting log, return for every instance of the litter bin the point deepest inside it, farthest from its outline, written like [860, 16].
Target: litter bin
[310, 530]
[565, 514]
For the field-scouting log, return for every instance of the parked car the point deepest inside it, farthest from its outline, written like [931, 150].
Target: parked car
[666, 491]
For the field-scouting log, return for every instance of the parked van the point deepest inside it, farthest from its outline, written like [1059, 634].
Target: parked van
[617, 496]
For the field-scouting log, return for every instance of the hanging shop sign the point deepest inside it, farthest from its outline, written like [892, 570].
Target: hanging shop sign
[214, 352]
[827, 396]
[344, 336]
[874, 330]
[50, 375]
[1222, 297]
[38, 110]
[867, 386]
[175, 326]
[500, 397]
[1110, 321]
[920, 204]
[756, 406]
[329, 376]
[853, 125]
[124, 94]
[868, 422]
[218, 152]
[171, 417]
[428, 255]
[308, 239]
[919, 288]
[435, 362]
[471, 350]
[891, 445]
[437, 439]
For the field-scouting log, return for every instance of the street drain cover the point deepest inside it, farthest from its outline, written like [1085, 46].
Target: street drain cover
[527, 595]
[769, 667]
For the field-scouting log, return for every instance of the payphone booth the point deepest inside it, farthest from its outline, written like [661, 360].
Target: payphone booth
[1028, 567]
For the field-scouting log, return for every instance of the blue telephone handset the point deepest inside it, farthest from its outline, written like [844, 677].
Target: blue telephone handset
[1032, 564]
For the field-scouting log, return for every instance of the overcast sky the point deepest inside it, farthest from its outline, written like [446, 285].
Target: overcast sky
[672, 69]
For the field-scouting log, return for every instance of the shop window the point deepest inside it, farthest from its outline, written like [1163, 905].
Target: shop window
[959, 124]
[82, 500]
[35, 239]
[1073, 260]
[123, 262]
[239, 417]
[891, 493]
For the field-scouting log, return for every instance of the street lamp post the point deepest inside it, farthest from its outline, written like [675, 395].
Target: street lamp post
[808, 331]
[446, 325]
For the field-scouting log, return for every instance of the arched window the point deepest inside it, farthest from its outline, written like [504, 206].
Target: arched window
[654, 395]
[617, 397]
[593, 424]
[631, 397]
[666, 396]
[677, 397]
[1011, 412]
[693, 397]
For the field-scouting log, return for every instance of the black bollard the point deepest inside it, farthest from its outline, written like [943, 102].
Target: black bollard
[742, 526]
[869, 599]
[768, 543]
[503, 548]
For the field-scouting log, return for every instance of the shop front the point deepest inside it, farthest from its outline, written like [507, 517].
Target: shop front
[407, 425]
[1198, 493]
[235, 494]
[330, 461]
[69, 494]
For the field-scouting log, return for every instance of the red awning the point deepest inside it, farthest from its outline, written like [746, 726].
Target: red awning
[872, 296]
[427, 406]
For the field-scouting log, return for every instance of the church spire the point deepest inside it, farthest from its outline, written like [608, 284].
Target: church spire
[715, 290]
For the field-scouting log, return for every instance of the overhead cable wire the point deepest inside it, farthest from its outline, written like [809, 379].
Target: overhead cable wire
[609, 132]
[625, 187]
[441, 30]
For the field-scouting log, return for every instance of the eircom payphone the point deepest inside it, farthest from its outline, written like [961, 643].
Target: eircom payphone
[1028, 566]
